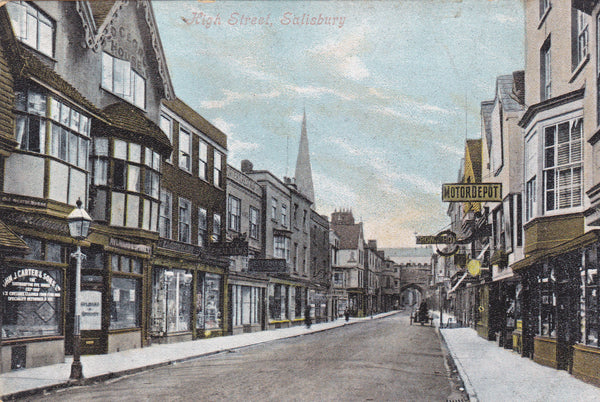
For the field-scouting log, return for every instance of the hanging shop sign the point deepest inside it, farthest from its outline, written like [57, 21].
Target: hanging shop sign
[446, 243]
[30, 285]
[472, 192]
[238, 246]
[474, 267]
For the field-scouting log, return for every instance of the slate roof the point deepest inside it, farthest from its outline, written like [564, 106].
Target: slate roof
[10, 241]
[349, 235]
[198, 122]
[504, 91]
[486, 117]
[100, 9]
[137, 126]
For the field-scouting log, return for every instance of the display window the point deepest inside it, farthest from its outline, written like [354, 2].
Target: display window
[245, 305]
[171, 300]
[278, 301]
[126, 284]
[208, 301]
[32, 300]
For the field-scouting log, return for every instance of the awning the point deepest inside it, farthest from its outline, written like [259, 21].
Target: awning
[574, 244]
[10, 242]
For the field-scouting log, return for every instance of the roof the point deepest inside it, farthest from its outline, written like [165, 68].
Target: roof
[35, 69]
[349, 235]
[100, 10]
[504, 92]
[198, 122]
[474, 149]
[122, 115]
[10, 241]
[486, 117]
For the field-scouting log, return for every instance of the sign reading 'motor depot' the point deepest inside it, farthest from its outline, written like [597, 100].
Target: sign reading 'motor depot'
[472, 192]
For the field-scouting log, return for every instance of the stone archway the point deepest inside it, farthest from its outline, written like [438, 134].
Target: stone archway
[411, 295]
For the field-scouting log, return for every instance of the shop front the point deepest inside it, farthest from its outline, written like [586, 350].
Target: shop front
[247, 305]
[286, 303]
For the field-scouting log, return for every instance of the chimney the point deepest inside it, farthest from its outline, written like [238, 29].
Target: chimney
[247, 166]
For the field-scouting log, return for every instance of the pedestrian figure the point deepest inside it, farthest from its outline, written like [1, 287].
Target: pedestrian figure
[347, 314]
[307, 318]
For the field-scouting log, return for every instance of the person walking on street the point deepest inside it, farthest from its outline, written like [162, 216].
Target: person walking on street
[347, 314]
[307, 318]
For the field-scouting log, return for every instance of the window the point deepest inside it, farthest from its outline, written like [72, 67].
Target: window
[185, 220]
[152, 175]
[171, 300]
[305, 261]
[580, 41]
[202, 160]
[295, 258]
[278, 301]
[304, 220]
[185, 144]
[254, 222]
[283, 215]
[545, 71]
[274, 208]
[590, 299]
[281, 246]
[202, 227]
[166, 125]
[217, 169]
[235, 211]
[37, 310]
[544, 6]
[208, 301]
[32, 27]
[563, 169]
[125, 303]
[338, 279]
[216, 236]
[165, 215]
[120, 79]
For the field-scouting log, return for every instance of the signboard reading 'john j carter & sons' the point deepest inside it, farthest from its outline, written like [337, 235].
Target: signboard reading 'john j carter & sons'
[472, 192]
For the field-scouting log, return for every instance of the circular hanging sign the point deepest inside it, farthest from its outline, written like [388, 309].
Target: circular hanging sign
[474, 267]
[446, 243]
[481, 309]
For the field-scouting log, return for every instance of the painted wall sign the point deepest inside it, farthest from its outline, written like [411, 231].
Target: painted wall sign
[91, 310]
[472, 192]
[267, 265]
[30, 285]
[140, 248]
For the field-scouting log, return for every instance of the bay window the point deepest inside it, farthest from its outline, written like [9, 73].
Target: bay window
[563, 167]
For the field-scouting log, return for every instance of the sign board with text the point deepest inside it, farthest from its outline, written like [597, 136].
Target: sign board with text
[472, 192]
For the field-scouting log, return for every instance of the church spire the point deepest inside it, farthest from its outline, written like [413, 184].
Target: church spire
[303, 175]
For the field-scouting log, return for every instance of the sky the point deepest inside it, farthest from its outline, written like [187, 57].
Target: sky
[391, 90]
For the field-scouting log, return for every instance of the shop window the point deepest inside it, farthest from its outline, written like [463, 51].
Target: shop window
[208, 302]
[32, 27]
[547, 307]
[298, 300]
[120, 79]
[31, 302]
[590, 299]
[171, 300]
[125, 306]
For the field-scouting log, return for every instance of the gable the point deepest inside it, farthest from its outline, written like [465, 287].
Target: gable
[128, 30]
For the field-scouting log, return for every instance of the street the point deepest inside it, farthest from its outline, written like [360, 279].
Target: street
[385, 359]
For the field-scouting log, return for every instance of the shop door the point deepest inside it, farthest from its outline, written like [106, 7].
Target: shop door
[566, 324]
[93, 338]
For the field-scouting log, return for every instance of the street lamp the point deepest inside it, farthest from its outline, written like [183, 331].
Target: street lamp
[79, 225]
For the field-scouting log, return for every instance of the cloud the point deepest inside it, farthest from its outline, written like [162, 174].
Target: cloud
[506, 19]
[450, 149]
[343, 55]
[225, 127]
[236, 146]
[231, 97]
[315, 92]
[332, 191]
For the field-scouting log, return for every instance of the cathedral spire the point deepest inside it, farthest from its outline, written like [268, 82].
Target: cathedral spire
[303, 175]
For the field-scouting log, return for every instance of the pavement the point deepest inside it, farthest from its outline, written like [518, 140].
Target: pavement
[492, 373]
[488, 372]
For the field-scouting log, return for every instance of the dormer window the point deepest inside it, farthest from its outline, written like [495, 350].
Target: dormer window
[32, 27]
[120, 79]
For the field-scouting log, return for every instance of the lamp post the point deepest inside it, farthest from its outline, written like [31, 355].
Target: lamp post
[79, 224]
